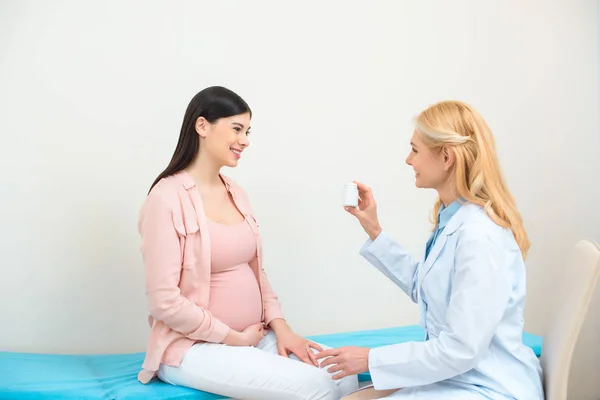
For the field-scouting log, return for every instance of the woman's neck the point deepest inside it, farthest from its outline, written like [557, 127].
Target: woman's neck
[448, 194]
[205, 172]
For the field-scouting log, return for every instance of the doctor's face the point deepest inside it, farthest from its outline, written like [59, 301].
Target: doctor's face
[427, 164]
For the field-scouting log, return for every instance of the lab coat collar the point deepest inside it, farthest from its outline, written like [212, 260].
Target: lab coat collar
[453, 224]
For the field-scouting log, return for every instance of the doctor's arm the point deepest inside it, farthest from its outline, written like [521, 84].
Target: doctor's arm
[481, 290]
[380, 250]
[394, 261]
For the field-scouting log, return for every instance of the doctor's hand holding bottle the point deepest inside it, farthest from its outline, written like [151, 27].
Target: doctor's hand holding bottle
[366, 212]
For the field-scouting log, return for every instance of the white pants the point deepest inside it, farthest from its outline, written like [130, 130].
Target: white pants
[248, 373]
[440, 390]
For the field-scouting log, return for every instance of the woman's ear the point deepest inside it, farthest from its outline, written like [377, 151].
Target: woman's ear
[449, 158]
[202, 126]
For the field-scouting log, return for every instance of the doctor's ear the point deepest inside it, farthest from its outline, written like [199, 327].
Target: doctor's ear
[448, 157]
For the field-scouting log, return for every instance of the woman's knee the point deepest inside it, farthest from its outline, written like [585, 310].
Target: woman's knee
[347, 385]
[316, 384]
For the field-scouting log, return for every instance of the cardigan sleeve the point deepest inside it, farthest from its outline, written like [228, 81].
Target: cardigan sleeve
[162, 258]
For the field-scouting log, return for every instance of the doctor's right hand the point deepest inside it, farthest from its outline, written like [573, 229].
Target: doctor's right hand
[366, 213]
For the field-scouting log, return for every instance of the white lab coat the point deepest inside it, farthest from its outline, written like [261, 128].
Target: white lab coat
[471, 294]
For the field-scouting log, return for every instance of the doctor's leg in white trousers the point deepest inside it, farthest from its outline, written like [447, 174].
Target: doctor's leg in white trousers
[441, 390]
[249, 373]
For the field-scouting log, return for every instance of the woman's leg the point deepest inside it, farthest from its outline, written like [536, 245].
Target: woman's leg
[446, 390]
[345, 385]
[249, 373]
[368, 393]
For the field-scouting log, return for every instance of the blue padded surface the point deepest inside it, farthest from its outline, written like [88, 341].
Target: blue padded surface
[25, 376]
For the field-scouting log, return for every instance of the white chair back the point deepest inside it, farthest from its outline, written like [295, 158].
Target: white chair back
[559, 342]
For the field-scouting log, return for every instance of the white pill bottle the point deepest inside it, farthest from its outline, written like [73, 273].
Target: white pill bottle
[350, 195]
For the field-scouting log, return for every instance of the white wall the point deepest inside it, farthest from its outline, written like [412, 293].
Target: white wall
[91, 100]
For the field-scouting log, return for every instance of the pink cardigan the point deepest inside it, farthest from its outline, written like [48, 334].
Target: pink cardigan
[176, 255]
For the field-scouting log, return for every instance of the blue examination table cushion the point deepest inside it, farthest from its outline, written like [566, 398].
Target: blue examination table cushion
[25, 376]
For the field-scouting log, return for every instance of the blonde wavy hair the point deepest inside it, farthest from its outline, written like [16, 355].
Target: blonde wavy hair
[476, 170]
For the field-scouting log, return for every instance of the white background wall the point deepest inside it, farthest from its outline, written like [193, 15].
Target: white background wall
[92, 95]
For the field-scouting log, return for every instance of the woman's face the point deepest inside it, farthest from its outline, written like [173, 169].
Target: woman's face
[224, 140]
[430, 167]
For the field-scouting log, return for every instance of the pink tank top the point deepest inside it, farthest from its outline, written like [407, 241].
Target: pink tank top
[234, 292]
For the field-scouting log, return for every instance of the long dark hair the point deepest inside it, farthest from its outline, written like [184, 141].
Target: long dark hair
[212, 103]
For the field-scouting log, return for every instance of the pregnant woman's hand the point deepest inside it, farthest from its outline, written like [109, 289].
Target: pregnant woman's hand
[253, 334]
[249, 337]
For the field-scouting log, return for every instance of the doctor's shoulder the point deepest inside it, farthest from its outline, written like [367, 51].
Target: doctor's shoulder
[479, 226]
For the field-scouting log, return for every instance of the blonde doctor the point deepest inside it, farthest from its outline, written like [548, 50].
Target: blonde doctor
[470, 285]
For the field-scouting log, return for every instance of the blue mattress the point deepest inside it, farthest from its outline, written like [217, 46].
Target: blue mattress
[26, 376]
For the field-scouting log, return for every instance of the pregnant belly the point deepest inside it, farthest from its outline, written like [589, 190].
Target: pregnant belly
[235, 297]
